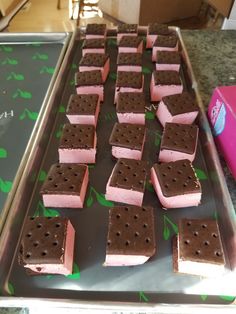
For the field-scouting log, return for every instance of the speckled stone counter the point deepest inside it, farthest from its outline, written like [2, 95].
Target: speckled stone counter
[212, 55]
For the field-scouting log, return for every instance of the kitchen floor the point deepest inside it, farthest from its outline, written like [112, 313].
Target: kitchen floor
[43, 16]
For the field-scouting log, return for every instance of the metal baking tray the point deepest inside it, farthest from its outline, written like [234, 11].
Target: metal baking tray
[152, 285]
[27, 61]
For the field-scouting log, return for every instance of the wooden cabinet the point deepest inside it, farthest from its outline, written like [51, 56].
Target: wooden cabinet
[222, 6]
[6, 6]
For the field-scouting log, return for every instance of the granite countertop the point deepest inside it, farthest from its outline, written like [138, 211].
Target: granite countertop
[212, 55]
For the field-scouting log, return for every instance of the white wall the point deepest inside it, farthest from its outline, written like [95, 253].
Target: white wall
[124, 10]
[230, 23]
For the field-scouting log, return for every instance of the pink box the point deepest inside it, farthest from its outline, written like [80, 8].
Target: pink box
[222, 117]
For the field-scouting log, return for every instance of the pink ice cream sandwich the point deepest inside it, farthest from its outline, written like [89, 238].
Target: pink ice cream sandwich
[155, 29]
[95, 61]
[130, 108]
[176, 184]
[131, 236]
[130, 62]
[89, 82]
[198, 248]
[47, 246]
[83, 109]
[168, 60]
[94, 30]
[179, 141]
[65, 186]
[127, 182]
[127, 140]
[128, 82]
[129, 44]
[179, 108]
[126, 30]
[165, 83]
[93, 45]
[164, 43]
[78, 144]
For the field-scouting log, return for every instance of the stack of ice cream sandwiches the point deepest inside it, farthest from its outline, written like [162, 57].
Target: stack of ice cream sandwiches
[47, 244]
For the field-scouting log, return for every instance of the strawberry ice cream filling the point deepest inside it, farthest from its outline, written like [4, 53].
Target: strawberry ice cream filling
[186, 200]
[90, 36]
[150, 40]
[125, 260]
[160, 91]
[78, 155]
[97, 89]
[132, 118]
[167, 67]
[129, 68]
[131, 49]
[92, 50]
[67, 266]
[167, 155]
[164, 115]
[121, 152]
[104, 70]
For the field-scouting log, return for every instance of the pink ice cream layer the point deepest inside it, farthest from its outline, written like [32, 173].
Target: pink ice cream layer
[92, 50]
[125, 260]
[84, 156]
[155, 49]
[128, 90]
[123, 195]
[131, 49]
[98, 89]
[150, 40]
[168, 67]
[95, 36]
[77, 155]
[129, 68]
[120, 35]
[132, 118]
[164, 116]
[160, 91]
[121, 152]
[67, 201]
[104, 70]
[85, 119]
[198, 268]
[167, 155]
[67, 266]
[186, 200]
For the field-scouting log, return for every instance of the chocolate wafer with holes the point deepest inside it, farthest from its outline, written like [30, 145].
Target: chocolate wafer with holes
[131, 236]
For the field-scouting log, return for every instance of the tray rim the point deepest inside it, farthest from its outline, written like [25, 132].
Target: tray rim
[216, 163]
